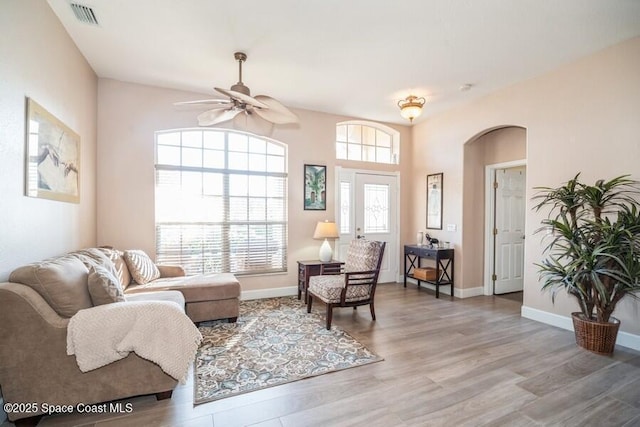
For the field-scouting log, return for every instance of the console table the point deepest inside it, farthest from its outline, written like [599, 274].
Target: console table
[443, 258]
[306, 269]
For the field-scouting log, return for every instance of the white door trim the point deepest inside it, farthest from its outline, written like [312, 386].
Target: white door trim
[489, 214]
[336, 192]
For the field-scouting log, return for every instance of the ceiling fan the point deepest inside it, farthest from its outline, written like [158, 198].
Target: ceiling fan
[241, 101]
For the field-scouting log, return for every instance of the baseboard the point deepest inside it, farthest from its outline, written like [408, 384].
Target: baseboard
[468, 292]
[446, 290]
[269, 293]
[625, 339]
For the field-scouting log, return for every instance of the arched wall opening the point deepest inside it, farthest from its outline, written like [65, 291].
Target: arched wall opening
[500, 144]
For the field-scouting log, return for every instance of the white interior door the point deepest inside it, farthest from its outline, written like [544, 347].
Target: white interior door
[509, 230]
[367, 208]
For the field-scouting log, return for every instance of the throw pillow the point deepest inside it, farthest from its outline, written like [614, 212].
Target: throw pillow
[94, 257]
[142, 268]
[104, 287]
[121, 270]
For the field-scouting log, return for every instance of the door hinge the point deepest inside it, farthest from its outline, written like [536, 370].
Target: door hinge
[495, 231]
[494, 277]
[495, 184]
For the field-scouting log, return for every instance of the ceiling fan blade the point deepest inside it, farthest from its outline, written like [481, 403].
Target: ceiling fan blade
[213, 117]
[239, 96]
[204, 101]
[250, 122]
[277, 113]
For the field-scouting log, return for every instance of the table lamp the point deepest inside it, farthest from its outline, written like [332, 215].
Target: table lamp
[326, 230]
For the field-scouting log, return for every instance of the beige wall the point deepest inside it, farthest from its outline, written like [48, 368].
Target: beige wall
[128, 116]
[582, 117]
[39, 60]
[497, 146]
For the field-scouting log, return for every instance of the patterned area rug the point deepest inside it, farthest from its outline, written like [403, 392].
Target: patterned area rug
[274, 342]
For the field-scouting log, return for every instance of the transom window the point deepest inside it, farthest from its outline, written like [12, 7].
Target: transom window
[367, 142]
[221, 202]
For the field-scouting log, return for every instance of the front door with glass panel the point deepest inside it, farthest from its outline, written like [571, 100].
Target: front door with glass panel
[367, 209]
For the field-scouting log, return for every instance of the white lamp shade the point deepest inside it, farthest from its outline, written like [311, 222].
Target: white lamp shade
[326, 230]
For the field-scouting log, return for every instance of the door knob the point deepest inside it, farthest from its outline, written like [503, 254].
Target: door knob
[359, 236]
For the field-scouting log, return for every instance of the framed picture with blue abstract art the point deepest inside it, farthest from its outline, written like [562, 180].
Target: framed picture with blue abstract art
[315, 188]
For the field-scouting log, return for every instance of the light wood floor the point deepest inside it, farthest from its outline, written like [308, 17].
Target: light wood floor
[447, 362]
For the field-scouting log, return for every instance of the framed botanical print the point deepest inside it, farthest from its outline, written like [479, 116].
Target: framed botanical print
[315, 187]
[434, 201]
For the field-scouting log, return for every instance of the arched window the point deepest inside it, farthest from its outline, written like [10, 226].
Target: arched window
[367, 142]
[221, 201]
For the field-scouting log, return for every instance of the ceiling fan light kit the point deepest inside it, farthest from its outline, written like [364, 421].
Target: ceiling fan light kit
[241, 101]
[411, 107]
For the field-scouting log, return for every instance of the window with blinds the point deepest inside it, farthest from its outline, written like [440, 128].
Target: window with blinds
[221, 201]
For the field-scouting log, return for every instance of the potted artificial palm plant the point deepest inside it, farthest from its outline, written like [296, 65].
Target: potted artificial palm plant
[594, 252]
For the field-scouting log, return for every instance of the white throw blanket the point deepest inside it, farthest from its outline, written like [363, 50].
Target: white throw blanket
[158, 331]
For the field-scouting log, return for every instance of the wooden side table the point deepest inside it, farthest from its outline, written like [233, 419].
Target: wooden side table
[306, 269]
[443, 259]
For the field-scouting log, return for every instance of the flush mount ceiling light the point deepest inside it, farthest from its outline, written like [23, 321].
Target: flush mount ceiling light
[411, 107]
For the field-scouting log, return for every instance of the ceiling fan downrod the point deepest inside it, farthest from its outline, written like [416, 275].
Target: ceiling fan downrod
[240, 87]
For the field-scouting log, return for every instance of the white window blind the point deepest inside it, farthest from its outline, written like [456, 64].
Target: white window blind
[221, 202]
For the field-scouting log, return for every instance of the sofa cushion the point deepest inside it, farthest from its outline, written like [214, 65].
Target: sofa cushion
[174, 296]
[62, 282]
[204, 287]
[121, 269]
[104, 286]
[329, 289]
[142, 268]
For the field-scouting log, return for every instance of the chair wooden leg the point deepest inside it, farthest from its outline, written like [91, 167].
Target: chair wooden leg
[373, 312]
[329, 316]
[309, 302]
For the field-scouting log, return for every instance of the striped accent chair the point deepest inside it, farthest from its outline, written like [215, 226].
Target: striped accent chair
[352, 284]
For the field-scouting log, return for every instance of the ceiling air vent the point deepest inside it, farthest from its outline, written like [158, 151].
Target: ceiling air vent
[84, 14]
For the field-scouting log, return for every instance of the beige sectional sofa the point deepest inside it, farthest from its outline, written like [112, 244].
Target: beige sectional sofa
[37, 304]
[207, 296]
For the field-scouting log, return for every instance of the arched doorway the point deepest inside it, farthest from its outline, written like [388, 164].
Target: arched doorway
[498, 148]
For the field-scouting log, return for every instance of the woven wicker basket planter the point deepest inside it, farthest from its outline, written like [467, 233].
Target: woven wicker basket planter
[595, 336]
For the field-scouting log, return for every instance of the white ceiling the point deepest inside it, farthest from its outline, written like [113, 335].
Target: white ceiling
[349, 57]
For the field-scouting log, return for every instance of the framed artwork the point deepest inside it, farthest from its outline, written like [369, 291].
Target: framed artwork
[52, 157]
[315, 188]
[434, 201]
